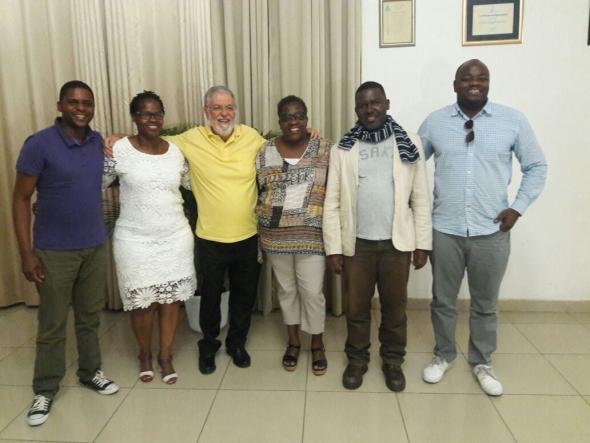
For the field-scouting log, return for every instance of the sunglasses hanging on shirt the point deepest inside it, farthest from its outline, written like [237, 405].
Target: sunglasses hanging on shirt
[471, 134]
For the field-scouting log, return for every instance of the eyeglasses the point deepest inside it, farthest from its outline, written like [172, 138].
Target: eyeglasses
[219, 108]
[149, 115]
[293, 117]
[471, 134]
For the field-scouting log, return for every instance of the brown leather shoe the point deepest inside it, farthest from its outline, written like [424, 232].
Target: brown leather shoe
[352, 378]
[394, 378]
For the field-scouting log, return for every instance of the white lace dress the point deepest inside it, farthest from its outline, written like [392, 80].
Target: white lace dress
[152, 241]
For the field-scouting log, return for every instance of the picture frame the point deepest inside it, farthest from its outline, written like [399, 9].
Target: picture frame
[397, 23]
[492, 22]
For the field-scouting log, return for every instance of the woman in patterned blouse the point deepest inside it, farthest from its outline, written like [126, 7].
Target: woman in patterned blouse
[291, 173]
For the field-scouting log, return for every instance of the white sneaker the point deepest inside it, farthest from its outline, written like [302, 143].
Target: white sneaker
[433, 373]
[487, 380]
[39, 410]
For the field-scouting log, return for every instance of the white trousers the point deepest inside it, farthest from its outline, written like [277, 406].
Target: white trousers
[300, 280]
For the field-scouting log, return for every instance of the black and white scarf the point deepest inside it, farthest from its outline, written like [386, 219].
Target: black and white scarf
[407, 150]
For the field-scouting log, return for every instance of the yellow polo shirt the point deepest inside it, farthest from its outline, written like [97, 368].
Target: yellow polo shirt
[223, 179]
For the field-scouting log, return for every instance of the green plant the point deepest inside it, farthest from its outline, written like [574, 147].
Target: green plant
[178, 129]
[270, 134]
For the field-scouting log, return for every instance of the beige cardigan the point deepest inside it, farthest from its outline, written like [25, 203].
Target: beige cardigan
[412, 222]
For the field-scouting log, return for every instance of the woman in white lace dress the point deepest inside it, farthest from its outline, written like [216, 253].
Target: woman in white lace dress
[153, 242]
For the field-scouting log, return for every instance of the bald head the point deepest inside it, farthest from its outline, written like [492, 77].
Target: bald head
[472, 83]
[466, 65]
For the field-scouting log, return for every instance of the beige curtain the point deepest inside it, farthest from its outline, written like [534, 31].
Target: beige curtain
[35, 56]
[264, 50]
[119, 47]
[163, 47]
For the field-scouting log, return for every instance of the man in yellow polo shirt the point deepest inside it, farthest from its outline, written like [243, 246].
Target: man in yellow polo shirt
[223, 178]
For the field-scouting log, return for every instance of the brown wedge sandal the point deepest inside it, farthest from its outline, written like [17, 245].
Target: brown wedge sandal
[319, 366]
[291, 357]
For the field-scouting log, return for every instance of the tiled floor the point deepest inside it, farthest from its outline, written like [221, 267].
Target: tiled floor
[543, 359]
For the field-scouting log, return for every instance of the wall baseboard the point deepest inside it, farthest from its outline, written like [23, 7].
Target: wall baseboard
[506, 305]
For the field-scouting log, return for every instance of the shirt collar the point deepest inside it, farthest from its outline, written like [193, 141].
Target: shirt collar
[70, 141]
[233, 137]
[488, 109]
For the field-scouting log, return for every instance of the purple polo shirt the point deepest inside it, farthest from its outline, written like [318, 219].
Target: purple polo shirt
[69, 196]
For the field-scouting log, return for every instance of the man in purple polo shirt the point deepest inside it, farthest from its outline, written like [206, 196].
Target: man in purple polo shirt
[66, 260]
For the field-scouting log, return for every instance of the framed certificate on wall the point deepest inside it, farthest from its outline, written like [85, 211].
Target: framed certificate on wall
[492, 22]
[397, 23]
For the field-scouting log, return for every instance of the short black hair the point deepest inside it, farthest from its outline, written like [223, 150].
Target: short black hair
[73, 84]
[145, 95]
[369, 85]
[287, 101]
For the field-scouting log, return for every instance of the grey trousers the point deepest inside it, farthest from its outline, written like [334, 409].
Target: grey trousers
[485, 258]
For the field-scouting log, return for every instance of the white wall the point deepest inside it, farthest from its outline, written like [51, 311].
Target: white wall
[548, 78]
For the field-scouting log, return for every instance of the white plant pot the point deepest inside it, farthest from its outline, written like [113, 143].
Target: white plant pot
[193, 307]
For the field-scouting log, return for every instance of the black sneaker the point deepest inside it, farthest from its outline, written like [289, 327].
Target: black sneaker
[101, 384]
[39, 410]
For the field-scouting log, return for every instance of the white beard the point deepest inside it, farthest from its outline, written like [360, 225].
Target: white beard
[224, 130]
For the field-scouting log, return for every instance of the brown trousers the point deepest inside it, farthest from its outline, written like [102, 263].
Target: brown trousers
[376, 262]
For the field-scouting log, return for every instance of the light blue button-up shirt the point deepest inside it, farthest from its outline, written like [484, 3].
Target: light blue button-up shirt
[471, 179]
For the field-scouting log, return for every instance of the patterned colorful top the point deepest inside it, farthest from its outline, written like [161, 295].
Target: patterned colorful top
[291, 199]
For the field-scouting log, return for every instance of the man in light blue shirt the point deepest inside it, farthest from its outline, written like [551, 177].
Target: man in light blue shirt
[473, 142]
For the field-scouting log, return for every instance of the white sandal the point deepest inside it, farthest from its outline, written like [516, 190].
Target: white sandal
[148, 375]
[171, 378]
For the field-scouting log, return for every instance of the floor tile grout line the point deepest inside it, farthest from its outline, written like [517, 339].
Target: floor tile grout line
[502, 419]
[13, 350]
[115, 411]
[571, 316]
[28, 440]
[401, 414]
[110, 328]
[482, 394]
[44, 440]
[305, 400]
[212, 401]
[566, 353]
[26, 407]
[307, 378]
[563, 375]
[527, 338]
[548, 324]
[15, 418]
